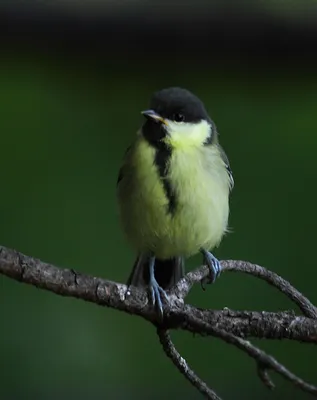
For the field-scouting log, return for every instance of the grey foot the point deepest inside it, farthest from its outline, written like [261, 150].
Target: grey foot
[156, 291]
[213, 264]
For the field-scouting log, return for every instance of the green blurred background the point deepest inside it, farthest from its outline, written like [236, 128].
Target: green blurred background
[72, 83]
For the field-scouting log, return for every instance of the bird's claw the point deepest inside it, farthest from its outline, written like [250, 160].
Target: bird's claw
[213, 264]
[157, 293]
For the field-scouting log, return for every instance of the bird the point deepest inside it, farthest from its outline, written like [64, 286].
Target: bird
[173, 192]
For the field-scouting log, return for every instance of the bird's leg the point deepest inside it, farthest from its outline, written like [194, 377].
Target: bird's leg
[155, 288]
[213, 265]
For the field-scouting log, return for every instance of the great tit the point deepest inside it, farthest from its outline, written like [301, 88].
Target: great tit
[173, 191]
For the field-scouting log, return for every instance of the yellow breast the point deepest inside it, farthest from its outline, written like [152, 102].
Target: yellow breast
[200, 183]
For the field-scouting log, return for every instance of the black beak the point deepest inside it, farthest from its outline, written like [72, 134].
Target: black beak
[152, 115]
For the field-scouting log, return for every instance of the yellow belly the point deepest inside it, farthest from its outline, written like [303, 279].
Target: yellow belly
[201, 186]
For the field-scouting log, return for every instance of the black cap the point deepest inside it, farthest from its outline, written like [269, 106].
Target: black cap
[174, 101]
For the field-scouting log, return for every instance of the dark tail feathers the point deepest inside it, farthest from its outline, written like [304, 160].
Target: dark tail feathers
[167, 272]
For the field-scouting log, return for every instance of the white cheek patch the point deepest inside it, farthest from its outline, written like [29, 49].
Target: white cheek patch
[188, 133]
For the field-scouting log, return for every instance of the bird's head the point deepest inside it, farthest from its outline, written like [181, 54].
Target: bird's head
[178, 118]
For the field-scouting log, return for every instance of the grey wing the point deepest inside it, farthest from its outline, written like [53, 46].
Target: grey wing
[120, 176]
[121, 173]
[227, 164]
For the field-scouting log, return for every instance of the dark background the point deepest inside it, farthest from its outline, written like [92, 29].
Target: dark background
[74, 77]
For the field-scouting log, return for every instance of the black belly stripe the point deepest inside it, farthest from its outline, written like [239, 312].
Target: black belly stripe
[154, 133]
[162, 158]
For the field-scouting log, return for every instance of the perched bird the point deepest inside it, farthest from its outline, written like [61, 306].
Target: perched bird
[173, 191]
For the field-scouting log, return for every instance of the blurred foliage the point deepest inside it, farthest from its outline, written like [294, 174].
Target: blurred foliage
[64, 128]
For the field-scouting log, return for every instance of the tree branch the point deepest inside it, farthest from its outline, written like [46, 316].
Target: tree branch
[182, 365]
[183, 287]
[263, 360]
[228, 325]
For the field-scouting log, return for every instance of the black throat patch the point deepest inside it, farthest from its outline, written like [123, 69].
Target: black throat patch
[154, 133]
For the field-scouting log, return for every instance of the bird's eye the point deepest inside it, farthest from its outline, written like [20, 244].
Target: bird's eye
[178, 117]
